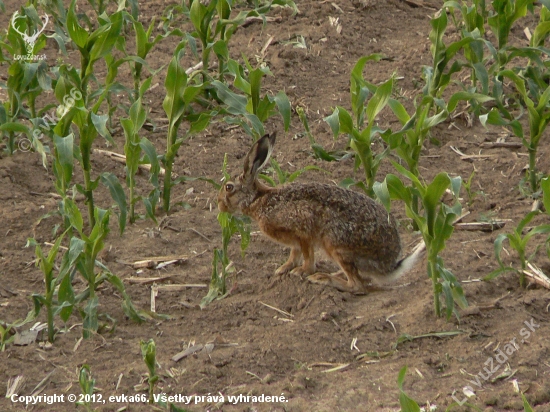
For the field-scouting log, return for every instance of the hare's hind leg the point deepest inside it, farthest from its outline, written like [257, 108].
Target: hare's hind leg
[347, 279]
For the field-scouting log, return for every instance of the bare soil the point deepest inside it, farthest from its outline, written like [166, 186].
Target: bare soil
[274, 353]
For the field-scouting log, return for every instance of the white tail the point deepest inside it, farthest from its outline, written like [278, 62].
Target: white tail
[406, 264]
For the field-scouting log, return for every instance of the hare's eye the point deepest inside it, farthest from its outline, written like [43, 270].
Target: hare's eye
[229, 187]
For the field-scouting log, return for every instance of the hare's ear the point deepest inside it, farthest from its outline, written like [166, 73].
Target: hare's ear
[258, 155]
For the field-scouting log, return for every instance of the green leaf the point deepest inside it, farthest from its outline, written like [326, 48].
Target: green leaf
[379, 100]
[100, 124]
[65, 296]
[106, 39]
[175, 84]
[345, 121]
[526, 406]
[334, 122]
[90, 323]
[397, 189]
[456, 97]
[236, 103]
[77, 34]
[545, 185]
[118, 195]
[283, 104]
[382, 193]
[407, 404]
[399, 110]
[15, 128]
[70, 209]
[494, 117]
[65, 158]
[127, 304]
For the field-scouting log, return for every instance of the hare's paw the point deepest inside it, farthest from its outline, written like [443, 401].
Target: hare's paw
[300, 271]
[337, 280]
[284, 269]
[321, 279]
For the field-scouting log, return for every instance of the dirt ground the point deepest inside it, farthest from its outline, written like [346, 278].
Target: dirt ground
[272, 353]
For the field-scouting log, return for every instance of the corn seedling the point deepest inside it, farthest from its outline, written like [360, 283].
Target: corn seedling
[500, 20]
[251, 110]
[59, 297]
[180, 93]
[528, 81]
[230, 226]
[438, 76]
[505, 13]
[536, 102]
[149, 353]
[467, 185]
[407, 404]
[214, 28]
[144, 44]
[518, 241]
[285, 177]
[132, 149]
[361, 138]
[87, 384]
[221, 265]
[92, 47]
[319, 151]
[435, 223]
[55, 285]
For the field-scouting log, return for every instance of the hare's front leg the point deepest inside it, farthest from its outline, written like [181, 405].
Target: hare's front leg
[307, 268]
[292, 261]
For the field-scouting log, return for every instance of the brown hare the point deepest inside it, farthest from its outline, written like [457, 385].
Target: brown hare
[353, 229]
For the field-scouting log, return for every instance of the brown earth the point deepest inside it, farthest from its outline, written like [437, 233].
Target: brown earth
[274, 353]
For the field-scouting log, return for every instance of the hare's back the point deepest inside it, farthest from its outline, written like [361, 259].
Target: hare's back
[349, 217]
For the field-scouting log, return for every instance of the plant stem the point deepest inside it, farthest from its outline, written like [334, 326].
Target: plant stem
[132, 203]
[533, 167]
[205, 57]
[88, 192]
[51, 331]
[435, 283]
[167, 180]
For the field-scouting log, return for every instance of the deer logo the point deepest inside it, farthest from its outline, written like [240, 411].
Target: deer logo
[30, 41]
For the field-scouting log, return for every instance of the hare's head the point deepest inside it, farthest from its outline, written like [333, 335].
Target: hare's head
[236, 194]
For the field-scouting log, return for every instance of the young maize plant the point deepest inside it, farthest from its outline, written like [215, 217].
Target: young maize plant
[181, 91]
[251, 110]
[519, 241]
[214, 28]
[435, 222]
[286, 177]
[149, 355]
[221, 265]
[87, 385]
[535, 96]
[361, 138]
[55, 285]
[132, 148]
[92, 47]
